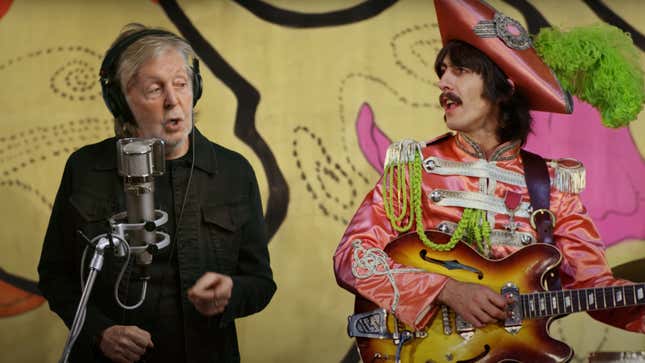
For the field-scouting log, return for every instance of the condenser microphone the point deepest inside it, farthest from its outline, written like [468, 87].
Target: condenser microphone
[139, 161]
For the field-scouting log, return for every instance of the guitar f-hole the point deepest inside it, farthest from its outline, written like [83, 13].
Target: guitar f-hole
[451, 265]
[477, 357]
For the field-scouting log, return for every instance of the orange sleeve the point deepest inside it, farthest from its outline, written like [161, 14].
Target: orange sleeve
[362, 268]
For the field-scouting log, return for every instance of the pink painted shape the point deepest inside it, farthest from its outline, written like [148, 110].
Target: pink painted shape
[372, 141]
[615, 193]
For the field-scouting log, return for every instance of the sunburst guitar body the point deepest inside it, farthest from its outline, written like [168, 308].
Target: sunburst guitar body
[524, 276]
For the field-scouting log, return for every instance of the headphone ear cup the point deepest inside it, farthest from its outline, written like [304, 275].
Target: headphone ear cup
[116, 103]
[197, 82]
[109, 99]
[197, 87]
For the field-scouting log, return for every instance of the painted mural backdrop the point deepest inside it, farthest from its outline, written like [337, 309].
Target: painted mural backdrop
[311, 92]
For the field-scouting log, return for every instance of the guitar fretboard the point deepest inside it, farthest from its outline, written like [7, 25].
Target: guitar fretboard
[550, 303]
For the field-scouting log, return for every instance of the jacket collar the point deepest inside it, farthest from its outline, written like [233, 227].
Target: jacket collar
[205, 158]
[506, 151]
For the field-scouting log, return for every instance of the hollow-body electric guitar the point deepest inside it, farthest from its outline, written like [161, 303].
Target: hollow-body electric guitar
[523, 276]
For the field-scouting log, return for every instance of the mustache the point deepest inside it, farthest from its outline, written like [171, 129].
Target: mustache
[449, 96]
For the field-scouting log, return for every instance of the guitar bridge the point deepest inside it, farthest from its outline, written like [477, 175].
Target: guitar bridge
[371, 324]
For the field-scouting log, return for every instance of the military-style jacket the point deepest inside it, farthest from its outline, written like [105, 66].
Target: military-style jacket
[222, 230]
[456, 175]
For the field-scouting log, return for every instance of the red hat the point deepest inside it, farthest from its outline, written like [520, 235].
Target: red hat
[508, 44]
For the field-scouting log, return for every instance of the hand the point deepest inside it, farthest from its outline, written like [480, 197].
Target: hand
[211, 293]
[477, 304]
[125, 344]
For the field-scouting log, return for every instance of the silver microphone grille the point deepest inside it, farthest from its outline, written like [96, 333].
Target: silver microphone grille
[140, 158]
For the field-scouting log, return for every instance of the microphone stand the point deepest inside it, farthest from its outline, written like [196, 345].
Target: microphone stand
[117, 239]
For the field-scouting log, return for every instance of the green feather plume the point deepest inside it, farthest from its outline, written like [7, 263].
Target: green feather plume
[600, 65]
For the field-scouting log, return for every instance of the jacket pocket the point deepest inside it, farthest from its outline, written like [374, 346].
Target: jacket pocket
[225, 226]
[92, 213]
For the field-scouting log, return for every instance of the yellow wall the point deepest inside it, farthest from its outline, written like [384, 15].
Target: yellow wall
[312, 81]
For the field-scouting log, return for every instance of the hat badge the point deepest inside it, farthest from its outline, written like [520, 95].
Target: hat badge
[507, 29]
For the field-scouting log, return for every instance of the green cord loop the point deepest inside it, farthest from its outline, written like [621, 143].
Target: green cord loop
[473, 224]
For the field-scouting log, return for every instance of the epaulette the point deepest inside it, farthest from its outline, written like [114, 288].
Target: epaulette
[569, 176]
[402, 152]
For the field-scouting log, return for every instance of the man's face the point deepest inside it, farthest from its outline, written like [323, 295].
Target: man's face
[462, 100]
[161, 99]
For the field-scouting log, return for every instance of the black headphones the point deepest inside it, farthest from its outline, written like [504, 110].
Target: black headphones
[112, 95]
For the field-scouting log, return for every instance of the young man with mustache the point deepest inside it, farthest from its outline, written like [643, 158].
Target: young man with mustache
[472, 183]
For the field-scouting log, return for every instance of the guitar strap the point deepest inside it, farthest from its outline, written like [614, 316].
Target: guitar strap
[538, 183]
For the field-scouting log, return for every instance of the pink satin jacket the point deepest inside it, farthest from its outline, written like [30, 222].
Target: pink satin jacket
[456, 176]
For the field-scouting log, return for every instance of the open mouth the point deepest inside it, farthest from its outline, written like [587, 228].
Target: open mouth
[449, 101]
[172, 121]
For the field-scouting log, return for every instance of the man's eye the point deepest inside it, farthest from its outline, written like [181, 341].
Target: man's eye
[153, 90]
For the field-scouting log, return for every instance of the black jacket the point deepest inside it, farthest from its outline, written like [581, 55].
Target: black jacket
[222, 230]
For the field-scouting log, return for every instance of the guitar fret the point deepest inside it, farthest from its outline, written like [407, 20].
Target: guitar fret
[568, 301]
[560, 300]
[554, 302]
[525, 307]
[639, 291]
[619, 293]
[575, 303]
[582, 300]
[630, 296]
[600, 298]
[543, 305]
[592, 302]
[609, 297]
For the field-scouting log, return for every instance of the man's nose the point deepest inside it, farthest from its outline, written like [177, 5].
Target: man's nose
[171, 98]
[445, 82]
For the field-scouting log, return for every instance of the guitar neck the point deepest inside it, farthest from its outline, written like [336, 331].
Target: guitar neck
[551, 303]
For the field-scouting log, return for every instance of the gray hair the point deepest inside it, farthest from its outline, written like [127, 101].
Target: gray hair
[137, 53]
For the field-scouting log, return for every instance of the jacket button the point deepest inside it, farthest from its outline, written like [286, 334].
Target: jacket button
[526, 239]
[435, 196]
[444, 227]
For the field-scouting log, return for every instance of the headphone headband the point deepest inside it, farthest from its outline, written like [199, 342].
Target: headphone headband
[112, 94]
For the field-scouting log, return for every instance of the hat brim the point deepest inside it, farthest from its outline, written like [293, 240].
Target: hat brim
[508, 45]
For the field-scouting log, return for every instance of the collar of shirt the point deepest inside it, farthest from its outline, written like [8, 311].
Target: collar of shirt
[205, 158]
[505, 151]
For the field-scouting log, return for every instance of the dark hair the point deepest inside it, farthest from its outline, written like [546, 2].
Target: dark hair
[515, 119]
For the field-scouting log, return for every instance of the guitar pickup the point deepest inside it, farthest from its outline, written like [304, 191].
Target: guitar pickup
[465, 329]
[371, 324]
[513, 322]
